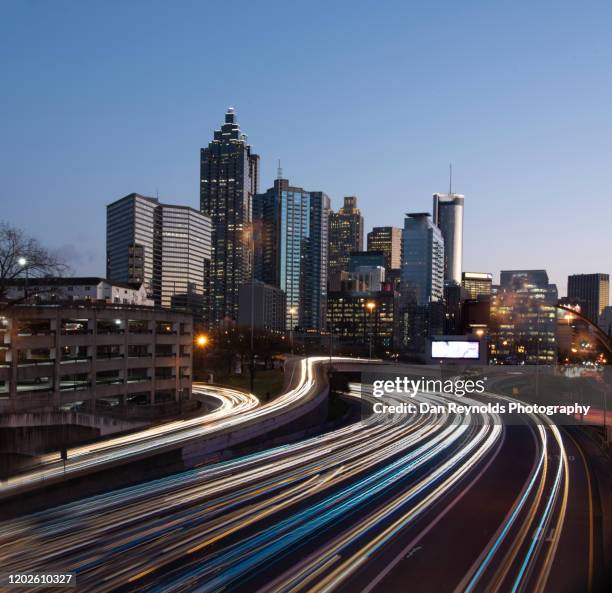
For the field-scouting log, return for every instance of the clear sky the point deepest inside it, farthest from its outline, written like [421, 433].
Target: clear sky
[100, 99]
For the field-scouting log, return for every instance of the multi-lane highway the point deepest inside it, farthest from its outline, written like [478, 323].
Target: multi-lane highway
[420, 502]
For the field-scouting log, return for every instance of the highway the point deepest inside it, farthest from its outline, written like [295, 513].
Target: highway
[420, 502]
[235, 409]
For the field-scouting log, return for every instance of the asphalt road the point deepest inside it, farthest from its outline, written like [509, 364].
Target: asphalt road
[406, 502]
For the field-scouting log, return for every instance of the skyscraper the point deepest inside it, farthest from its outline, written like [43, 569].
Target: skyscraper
[422, 281]
[423, 259]
[291, 249]
[229, 174]
[448, 216]
[591, 292]
[387, 239]
[164, 246]
[345, 235]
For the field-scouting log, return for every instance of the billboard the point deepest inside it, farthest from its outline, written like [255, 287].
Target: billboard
[458, 349]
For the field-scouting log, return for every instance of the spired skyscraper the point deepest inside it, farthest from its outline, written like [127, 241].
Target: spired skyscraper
[229, 178]
[448, 216]
[345, 235]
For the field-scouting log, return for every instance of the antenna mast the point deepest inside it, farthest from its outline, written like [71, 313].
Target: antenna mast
[279, 171]
[450, 178]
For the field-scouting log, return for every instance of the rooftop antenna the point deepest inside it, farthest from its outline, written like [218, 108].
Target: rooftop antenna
[450, 178]
[279, 171]
[157, 194]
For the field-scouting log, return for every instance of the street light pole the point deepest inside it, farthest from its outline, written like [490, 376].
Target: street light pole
[23, 262]
[371, 305]
[291, 312]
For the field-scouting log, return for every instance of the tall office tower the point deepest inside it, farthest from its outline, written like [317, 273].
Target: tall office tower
[291, 249]
[476, 283]
[423, 259]
[448, 215]
[185, 258]
[523, 323]
[165, 247]
[591, 292]
[228, 180]
[387, 239]
[422, 281]
[345, 235]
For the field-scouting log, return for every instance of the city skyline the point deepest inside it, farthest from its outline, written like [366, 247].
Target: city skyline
[506, 126]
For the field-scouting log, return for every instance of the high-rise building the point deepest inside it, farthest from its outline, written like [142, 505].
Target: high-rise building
[448, 216]
[166, 247]
[524, 319]
[423, 259]
[229, 173]
[291, 249]
[476, 283]
[345, 235]
[591, 292]
[422, 281]
[387, 239]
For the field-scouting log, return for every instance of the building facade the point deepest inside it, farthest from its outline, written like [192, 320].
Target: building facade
[523, 319]
[264, 306]
[387, 239]
[166, 247]
[448, 216]
[345, 235]
[422, 282]
[70, 357]
[293, 250]
[591, 292]
[475, 284]
[361, 318]
[78, 289]
[229, 178]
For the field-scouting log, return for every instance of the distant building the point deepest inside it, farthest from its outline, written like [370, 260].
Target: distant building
[263, 305]
[345, 235]
[605, 321]
[422, 281]
[591, 292]
[360, 317]
[388, 240]
[291, 226]
[476, 283]
[367, 259]
[368, 278]
[78, 289]
[164, 246]
[229, 178]
[524, 319]
[448, 216]
[88, 358]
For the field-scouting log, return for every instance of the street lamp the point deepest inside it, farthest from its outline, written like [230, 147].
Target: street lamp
[292, 312]
[23, 262]
[201, 341]
[370, 305]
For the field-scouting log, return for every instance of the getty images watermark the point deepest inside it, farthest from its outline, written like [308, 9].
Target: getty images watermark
[399, 388]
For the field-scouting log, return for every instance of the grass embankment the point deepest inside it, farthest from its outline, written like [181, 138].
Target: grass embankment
[268, 383]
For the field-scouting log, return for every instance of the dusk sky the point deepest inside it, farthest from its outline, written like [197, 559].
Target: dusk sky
[100, 99]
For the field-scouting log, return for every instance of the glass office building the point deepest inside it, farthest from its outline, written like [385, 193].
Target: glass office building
[291, 249]
[345, 235]
[167, 247]
[387, 239]
[448, 216]
[228, 181]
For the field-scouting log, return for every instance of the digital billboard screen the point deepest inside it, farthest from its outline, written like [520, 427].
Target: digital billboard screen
[455, 349]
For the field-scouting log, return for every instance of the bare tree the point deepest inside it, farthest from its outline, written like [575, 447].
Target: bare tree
[21, 255]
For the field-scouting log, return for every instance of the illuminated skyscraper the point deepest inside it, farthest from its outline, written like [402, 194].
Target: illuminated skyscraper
[448, 216]
[387, 239]
[345, 235]
[228, 181]
[291, 240]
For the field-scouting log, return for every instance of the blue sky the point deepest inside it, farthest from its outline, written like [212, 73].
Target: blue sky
[100, 99]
